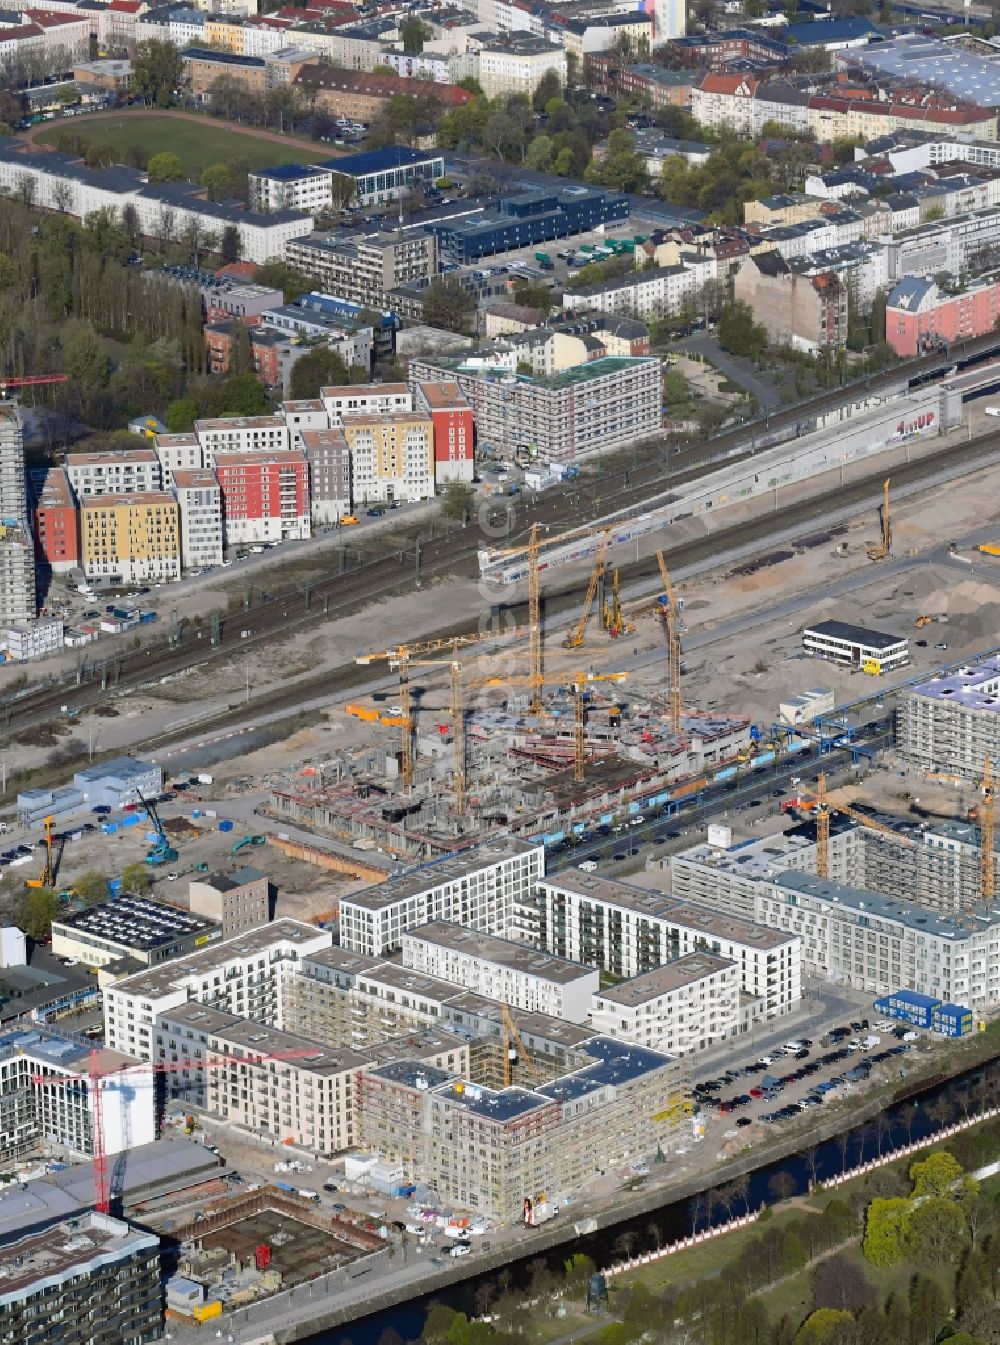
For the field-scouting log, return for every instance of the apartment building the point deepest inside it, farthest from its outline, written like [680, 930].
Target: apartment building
[268, 1081]
[478, 890]
[681, 1007]
[291, 186]
[265, 496]
[244, 976]
[721, 100]
[240, 434]
[199, 502]
[236, 901]
[515, 63]
[303, 415]
[359, 94]
[806, 312]
[329, 459]
[366, 399]
[118, 472]
[365, 268]
[525, 978]
[131, 929]
[654, 293]
[454, 429]
[629, 931]
[54, 523]
[178, 452]
[130, 538]
[950, 723]
[392, 456]
[501, 1151]
[605, 404]
[919, 315]
[88, 1277]
[45, 1096]
[17, 552]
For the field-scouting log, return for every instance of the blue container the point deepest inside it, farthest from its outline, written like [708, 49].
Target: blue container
[109, 828]
[114, 886]
[130, 819]
[225, 825]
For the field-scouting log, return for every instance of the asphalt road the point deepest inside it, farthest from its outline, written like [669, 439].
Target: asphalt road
[739, 371]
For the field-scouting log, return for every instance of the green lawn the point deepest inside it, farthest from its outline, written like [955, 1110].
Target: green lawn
[198, 144]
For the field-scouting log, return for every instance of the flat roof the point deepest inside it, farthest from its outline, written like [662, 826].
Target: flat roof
[134, 499]
[975, 687]
[157, 981]
[682, 971]
[229, 882]
[62, 1249]
[616, 1063]
[497, 1105]
[446, 870]
[379, 160]
[863, 635]
[660, 906]
[257, 1039]
[136, 922]
[116, 456]
[519, 957]
[60, 1051]
[865, 903]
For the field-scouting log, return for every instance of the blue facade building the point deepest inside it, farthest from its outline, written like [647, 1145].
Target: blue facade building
[525, 220]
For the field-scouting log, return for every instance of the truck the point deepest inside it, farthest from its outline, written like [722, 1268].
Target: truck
[545, 261]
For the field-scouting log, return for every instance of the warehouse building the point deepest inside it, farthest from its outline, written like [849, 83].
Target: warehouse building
[45, 1096]
[872, 651]
[525, 978]
[478, 889]
[629, 931]
[88, 1278]
[951, 723]
[493, 1149]
[131, 928]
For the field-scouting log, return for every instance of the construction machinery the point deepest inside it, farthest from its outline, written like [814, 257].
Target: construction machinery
[30, 381]
[882, 549]
[922, 621]
[162, 852]
[576, 636]
[53, 856]
[400, 658]
[513, 1047]
[614, 620]
[247, 841]
[823, 807]
[671, 620]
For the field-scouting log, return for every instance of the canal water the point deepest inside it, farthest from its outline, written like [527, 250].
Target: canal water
[916, 1118]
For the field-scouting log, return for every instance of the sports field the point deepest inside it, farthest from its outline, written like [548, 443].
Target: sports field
[197, 141]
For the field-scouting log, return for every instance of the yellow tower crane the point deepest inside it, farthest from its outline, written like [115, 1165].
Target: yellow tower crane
[987, 833]
[400, 658]
[578, 681]
[671, 619]
[513, 1047]
[883, 548]
[824, 807]
[576, 636]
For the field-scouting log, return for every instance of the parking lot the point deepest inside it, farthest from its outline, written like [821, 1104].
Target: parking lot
[790, 1079]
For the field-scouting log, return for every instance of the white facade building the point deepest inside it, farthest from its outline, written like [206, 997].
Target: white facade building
[200, 503]
[178, 452]
[524, 978]
[681, 1007]
[240, 434]
[516, 62]
[368, 399]
[855, 646]
[127, 471]
[34, 639]
[478, 890]
[291, 186]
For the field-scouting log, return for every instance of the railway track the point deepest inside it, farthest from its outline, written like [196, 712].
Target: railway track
[561, 598]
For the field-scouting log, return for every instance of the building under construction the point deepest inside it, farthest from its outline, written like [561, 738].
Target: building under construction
[951, 724]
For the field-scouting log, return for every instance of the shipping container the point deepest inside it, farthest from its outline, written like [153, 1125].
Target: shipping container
[908, 1006]
[225, 825]
[952, 1020]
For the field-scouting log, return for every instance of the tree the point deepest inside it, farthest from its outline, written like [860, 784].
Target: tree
[822, 1326]
[538, 155]
[39, 907]
[533, 294]
[136, 878]
[91, 887]
[165, 167]
[936, 1233]
[157, 70]
[280, 276]
[457, 500]
[243, 395]
[781, 1186]
[215, 180]
[320, 368]
[414, 33]
[547, 88]
[449, 305]
[622, 168]
[181, 414]
[839, 1282]
[886, 1225]
[941, 1174]
[737, 331]
[84, 356]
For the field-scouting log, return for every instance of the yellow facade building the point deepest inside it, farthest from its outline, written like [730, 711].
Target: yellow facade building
[130, 538]
[392, 456]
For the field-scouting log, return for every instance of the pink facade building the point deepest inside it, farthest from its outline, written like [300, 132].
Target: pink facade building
[919, 316]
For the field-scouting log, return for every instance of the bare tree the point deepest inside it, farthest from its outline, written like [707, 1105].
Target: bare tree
[843, 1144]
[811, 1157]
[696, 1210]
[781, 1186]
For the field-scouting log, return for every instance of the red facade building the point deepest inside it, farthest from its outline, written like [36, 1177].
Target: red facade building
[265, 496]
[54, 520]
[454, 429]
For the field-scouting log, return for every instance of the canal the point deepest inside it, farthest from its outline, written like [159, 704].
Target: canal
[914, 1118]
